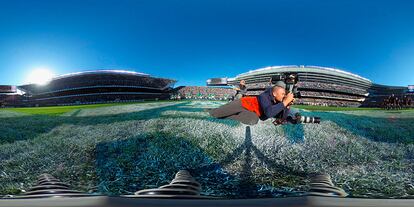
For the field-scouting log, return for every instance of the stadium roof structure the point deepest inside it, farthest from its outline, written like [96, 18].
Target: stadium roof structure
[105, 71]
[96, 86]
[99, 79]
[304, 69]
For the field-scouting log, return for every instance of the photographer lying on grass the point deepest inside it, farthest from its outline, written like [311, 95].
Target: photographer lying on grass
[273, 102]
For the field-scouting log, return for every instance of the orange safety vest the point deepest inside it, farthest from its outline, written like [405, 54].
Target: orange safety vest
[251, 103]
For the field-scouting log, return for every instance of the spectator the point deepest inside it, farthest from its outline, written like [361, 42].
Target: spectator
[241, 90]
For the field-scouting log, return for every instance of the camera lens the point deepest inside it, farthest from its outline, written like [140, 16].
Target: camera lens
[310, 119]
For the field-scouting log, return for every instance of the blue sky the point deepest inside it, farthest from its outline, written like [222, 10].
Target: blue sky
[192, 41]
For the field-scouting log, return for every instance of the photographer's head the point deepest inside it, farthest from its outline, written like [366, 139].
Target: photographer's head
[278, 91]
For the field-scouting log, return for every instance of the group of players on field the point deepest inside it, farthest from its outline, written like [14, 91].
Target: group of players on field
[394, 102]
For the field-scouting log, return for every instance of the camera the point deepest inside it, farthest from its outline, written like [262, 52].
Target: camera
[297, 119]
[307, 119]
[290, 79]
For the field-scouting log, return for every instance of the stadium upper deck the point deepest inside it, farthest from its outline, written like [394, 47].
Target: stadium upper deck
[306, 74]
[317, 85]
[97, 86]
[7, 89]
[8, 95]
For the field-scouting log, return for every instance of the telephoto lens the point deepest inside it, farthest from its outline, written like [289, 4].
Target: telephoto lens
[308, 119]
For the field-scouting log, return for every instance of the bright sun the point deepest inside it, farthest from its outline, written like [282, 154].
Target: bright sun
[40, 76]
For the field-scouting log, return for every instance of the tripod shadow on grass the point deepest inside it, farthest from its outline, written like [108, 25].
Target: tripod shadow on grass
[151, 160]
[247, 186]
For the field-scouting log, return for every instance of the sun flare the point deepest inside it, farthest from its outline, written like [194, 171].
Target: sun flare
[40, 76]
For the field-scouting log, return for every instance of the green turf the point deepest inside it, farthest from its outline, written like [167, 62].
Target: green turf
[58, 110]
[332, 108]
[119, 149]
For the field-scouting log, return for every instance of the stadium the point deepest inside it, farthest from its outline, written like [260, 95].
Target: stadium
[9, 96]
[96, 87]
[318, 85]
[322, 86]
[116, 148]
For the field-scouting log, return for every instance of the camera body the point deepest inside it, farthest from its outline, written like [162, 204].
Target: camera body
[290, 80]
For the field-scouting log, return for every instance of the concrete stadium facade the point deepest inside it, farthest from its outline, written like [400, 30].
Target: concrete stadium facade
[317, 85]
[96, 86]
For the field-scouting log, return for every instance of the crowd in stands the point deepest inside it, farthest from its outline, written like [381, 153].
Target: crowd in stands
[328, 95]
[10, 100]
[311, 92]
[396, 102]
[259, 85]
[94, 99]
[314, 94]
[2, 100]
[7, 89]
[210, 93]
[120, 89]
[325, 102]
[202, 92]
[314, 85]
[331, 87]
[99, 80]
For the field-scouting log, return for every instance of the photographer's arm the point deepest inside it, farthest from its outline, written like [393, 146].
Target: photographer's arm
[269, 109]
[286, 113]
[288, 104]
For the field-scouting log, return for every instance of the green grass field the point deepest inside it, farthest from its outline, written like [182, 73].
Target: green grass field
[117, 149]
[58, 110]
[332, 108]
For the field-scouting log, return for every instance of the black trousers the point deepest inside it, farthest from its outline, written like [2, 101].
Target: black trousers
[234, 110]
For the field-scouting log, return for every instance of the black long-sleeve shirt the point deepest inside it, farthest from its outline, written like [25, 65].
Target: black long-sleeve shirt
[271, 108]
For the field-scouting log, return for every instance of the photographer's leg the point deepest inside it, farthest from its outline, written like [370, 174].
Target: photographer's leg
[290, 115]
[292, 112]
[231, 108]
[246, 117]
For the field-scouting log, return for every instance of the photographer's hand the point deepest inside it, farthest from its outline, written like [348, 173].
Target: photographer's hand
[288, 99]
[290, 104]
